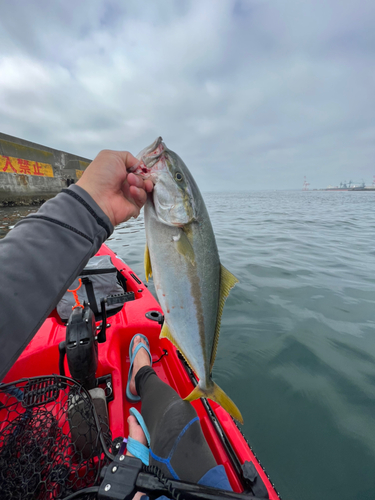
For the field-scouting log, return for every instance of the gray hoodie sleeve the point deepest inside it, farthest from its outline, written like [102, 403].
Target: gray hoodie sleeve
[39, 259]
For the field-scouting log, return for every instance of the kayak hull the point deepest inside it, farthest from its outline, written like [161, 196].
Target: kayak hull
[41, 357]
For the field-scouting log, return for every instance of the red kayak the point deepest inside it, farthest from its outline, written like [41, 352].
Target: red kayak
[21, 401]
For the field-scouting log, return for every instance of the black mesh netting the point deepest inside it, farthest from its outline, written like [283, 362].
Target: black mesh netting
[51, 440]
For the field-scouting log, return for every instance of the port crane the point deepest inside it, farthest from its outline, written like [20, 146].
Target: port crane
[305, 184]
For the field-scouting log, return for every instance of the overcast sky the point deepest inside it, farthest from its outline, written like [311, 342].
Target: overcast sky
[252, 94]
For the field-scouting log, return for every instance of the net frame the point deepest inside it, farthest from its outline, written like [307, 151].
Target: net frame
[52, 442]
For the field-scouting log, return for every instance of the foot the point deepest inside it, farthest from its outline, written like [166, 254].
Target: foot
[141, 359]
[136, 432]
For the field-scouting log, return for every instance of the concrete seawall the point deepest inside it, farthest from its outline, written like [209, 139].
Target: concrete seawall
[31, 173]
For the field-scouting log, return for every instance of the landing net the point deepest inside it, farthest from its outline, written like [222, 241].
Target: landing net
[52, 442]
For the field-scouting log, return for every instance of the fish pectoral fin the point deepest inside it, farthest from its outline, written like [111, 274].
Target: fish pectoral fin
[227, 282]
[148, 268]
[218, 395]
[184, 247]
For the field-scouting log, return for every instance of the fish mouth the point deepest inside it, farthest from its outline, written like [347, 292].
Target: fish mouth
[148, 159]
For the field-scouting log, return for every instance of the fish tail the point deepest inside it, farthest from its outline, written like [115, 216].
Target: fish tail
[216, 394]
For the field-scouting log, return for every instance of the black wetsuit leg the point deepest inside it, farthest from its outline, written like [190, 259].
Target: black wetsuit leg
[178, 446]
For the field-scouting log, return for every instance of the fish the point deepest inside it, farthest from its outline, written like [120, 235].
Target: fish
[182, 256]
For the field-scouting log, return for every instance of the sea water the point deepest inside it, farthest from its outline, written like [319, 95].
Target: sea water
[297, 344]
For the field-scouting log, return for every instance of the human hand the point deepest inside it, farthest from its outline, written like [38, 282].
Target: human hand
[119, 193]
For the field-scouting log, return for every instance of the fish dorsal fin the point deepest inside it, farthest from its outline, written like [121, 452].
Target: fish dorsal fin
[166, 334]
[148, 268]
[227, 282]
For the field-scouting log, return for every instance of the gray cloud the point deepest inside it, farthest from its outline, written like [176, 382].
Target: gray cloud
[251, 94]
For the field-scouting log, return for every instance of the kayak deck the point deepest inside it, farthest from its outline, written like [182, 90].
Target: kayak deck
[41, 357]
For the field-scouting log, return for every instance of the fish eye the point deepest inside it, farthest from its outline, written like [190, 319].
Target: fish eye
[178, 176]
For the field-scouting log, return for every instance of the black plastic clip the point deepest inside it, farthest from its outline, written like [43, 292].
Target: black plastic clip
[251, 474]
[101, 337]
[120, 479]
[107, 381]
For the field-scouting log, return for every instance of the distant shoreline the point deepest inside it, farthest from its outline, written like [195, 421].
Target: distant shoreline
[370, 189]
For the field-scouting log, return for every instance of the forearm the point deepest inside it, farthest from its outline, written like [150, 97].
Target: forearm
[39, 259]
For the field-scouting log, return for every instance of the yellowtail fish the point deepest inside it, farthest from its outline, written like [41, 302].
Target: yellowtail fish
[181, 254]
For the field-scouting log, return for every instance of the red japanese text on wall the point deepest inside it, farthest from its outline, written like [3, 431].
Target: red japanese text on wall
[26, 167]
